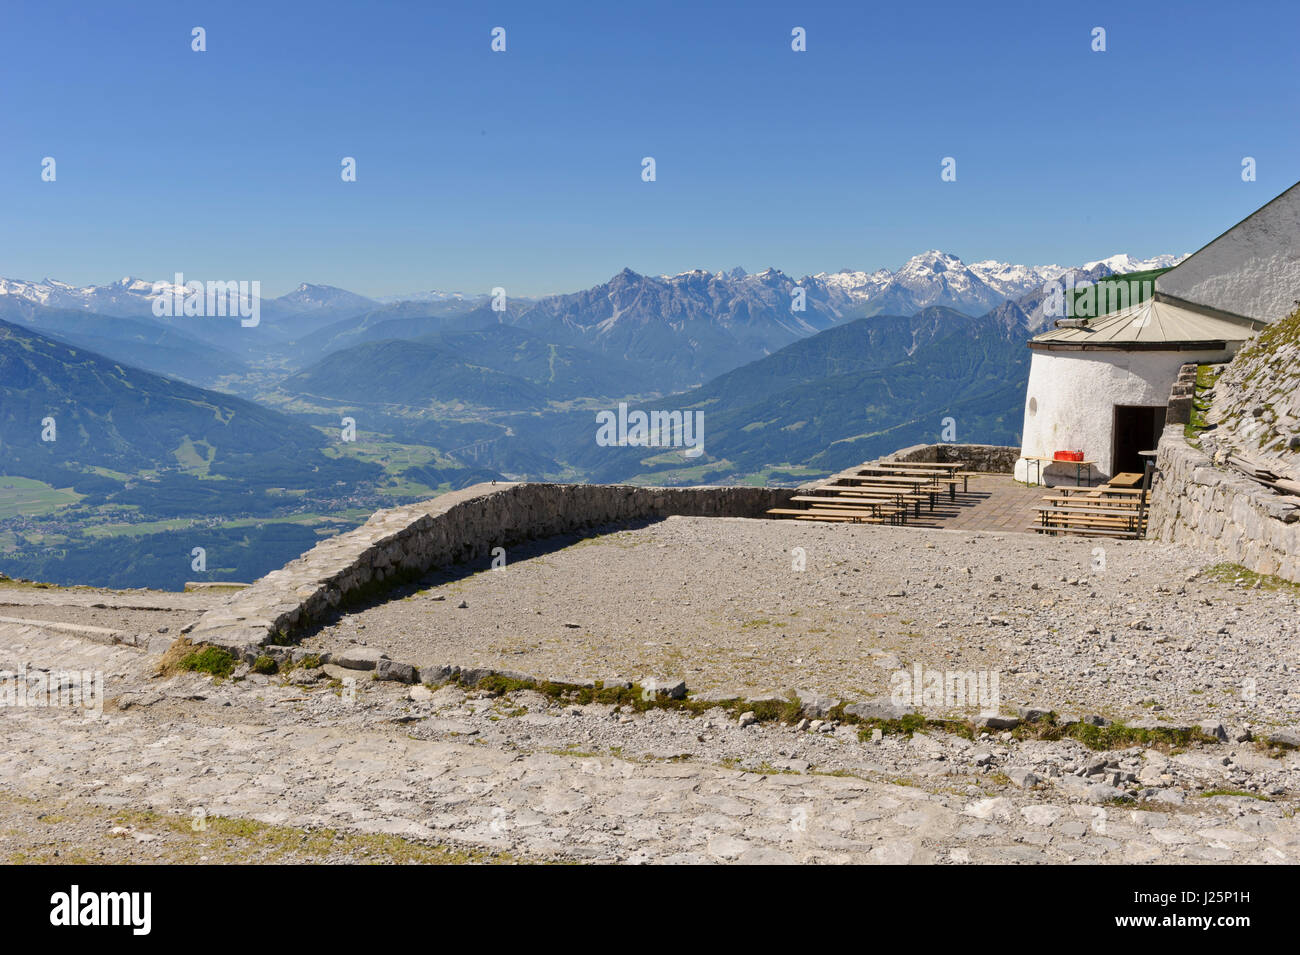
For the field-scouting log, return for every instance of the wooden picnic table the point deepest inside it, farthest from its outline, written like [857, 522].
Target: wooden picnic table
[1078, 468]
[927, 467]
[948, 466]
[900, 493]
[877, 504]
[844, 516]
[1100, 489]
[1126, 516]
[872, 473]
[880, 475]
[1093, 503]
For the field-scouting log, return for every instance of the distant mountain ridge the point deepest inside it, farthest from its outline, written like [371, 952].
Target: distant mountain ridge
[682, 330]
[130, 296]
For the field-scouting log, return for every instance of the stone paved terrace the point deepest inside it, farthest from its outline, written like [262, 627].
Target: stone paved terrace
[1127, 629]
[399, 770]
[991, 502]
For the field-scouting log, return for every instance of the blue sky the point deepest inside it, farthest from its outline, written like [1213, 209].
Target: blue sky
[523, 169]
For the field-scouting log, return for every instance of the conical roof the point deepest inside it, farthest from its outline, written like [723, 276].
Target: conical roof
[1152, 325]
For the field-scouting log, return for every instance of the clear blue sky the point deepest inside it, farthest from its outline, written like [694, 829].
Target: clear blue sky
[523, 169]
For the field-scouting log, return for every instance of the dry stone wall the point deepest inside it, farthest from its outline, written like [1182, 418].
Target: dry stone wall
[984, 458]
[1222, 512]
[404, 543]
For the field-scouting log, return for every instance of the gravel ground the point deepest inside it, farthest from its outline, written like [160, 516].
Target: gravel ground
[328, 765]
[1128, 629]
[303, 769]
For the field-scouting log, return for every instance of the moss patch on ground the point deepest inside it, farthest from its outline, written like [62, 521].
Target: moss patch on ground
[1237, 575]
[41, 833]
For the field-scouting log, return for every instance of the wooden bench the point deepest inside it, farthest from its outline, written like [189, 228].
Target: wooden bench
[822, 514]
[878, 504]
[883, 504]
[881, 488]
[901, 492]
[1103, 490]
[1075, 515]
[952, 469]
[917, 476]
[1081, 531]
[876, 475]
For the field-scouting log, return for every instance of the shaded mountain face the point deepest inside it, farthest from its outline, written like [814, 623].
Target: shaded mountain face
[412, 374]
[304, 310]
[407, 320]
[495, 368]
[309, 308]
[111, 416]
[141, 342]
[842, 396]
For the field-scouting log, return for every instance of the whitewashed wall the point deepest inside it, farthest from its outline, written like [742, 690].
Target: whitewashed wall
[1070, 401]
[1252, 270]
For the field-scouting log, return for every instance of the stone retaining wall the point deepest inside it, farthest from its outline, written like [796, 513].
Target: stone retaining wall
[1195, 503]
[404, 543]
[985, 458]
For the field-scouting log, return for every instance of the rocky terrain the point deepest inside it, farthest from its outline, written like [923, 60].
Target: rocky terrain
[322, 762]
[1128, 630]
[1255, 402]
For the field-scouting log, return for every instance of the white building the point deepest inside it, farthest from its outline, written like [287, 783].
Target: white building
[1101, 386]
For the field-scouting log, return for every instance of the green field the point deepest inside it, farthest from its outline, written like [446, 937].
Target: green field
[23, 497]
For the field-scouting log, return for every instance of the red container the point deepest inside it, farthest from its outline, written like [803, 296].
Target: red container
[1068, 455]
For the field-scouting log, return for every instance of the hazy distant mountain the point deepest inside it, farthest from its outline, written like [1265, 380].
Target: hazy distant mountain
[141, 342]
[844, 395]
[686, 328]
[311, 307]
[300, 312]
[317, 298]
[125, 297]
[433, 295]
[496, 368]
[110, 415]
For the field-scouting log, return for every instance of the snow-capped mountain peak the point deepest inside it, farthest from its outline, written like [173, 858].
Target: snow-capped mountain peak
[933, 277]
[1123, 263]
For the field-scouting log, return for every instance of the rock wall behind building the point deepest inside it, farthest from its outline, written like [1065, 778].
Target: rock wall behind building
[1221, 511]
[1255, 401]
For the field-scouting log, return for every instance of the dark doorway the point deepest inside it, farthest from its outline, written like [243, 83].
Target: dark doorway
[1137, 428]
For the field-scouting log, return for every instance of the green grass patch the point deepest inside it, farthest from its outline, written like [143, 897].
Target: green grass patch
[1116, 735]
[1233, 792]
[211, 660]
[1235, 574]
[1205, 378]
[25, 497]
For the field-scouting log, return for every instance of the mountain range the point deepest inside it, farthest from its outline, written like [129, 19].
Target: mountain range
[446, 391]
[930, 278]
